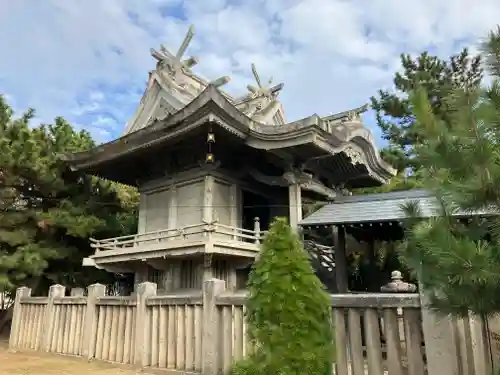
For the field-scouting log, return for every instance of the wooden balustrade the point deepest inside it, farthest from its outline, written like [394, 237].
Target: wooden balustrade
[189, 232]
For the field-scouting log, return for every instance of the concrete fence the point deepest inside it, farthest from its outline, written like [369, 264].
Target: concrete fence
[205, 332]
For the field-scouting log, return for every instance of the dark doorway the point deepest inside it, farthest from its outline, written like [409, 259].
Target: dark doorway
[255, 205]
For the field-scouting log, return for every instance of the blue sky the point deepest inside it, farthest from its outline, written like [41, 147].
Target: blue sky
[88, 61]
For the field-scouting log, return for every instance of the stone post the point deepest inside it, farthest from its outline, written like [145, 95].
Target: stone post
[397, 285]
[440, 345]
[16, 316]
[478, 356]
[90, 323]
[49, 323]
[211, 289]
[142, 325]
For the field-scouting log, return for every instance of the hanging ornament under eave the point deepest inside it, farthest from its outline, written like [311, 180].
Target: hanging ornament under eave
[209, 158]
[210, 137]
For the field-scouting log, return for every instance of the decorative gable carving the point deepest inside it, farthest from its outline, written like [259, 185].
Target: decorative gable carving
[173, 81]
[163, 109]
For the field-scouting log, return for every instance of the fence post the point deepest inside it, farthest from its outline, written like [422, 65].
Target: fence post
[49, 323]
[16, 316]
[142, 355]
[480, 345]
[90, 321]
[211, 289]
[440, 340]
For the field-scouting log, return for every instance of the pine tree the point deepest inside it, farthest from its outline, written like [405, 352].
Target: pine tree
[288, 310]
[394, 112]
[458, 260]
[47, 211]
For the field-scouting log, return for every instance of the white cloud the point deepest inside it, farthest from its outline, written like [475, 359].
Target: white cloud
[88, 60]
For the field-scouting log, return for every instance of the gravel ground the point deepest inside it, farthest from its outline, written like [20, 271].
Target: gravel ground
[34, 363]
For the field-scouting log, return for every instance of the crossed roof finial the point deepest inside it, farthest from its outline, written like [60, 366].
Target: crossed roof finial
[175, 64]
[264, 90]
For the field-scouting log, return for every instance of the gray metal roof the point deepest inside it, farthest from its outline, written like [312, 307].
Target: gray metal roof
[372, 208]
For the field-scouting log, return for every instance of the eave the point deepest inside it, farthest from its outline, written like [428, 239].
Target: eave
[212, 106]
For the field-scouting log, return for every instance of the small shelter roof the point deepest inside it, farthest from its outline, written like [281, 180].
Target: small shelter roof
[381, 207]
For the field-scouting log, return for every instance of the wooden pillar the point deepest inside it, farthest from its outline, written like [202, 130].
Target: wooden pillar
[143, 206]
[172, 209]
[168, 278]
[208, 199]
[234, 214]
[232, 282]
[295, 204]
[140, 274]
[340, 260]
[374, 274]
[208, 271]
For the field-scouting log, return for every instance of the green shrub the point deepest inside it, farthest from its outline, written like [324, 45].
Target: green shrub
[288, 311]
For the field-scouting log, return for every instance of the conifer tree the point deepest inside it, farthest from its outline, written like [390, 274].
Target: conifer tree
[47, 212]
[394, 111]
[459, 260]
[288, 310]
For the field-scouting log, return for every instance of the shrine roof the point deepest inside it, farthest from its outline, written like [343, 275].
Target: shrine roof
[379, 207]
[212, 106]
[178, 104]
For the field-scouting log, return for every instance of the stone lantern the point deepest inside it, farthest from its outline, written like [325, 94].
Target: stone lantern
[397, 285]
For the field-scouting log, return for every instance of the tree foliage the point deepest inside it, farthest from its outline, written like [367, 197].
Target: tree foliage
[394, 110]
[457, 259]
[288, 310]
[47, 211]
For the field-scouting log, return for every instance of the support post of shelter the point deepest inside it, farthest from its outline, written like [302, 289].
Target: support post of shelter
[340, 259]
[372, 258]
[295, 204]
